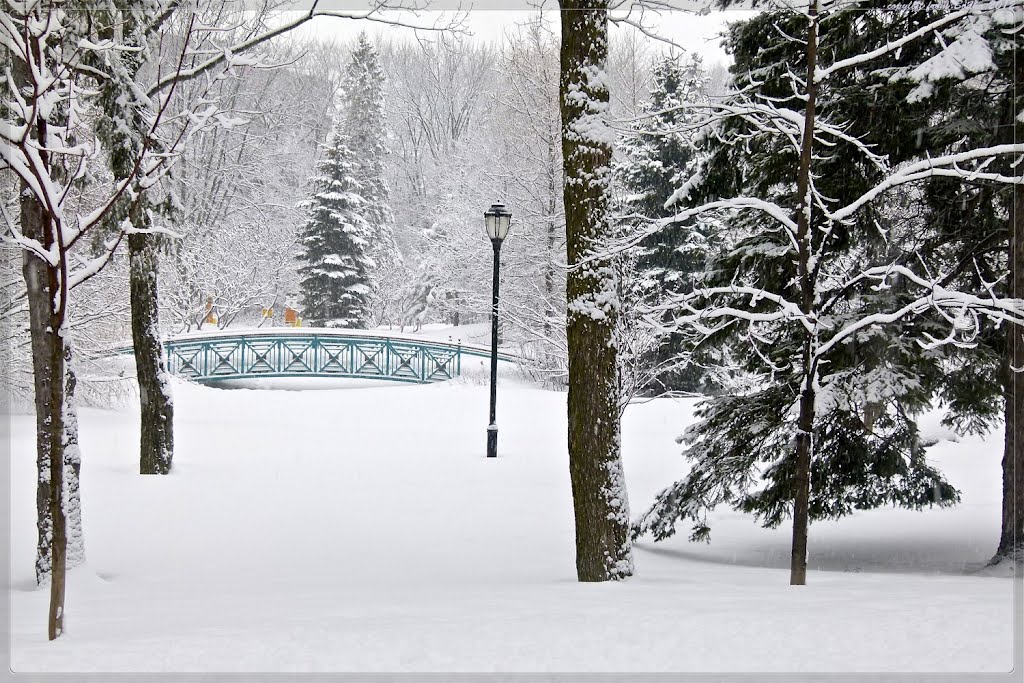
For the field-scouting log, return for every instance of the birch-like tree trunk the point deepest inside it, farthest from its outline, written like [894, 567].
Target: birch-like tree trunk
[603, 551]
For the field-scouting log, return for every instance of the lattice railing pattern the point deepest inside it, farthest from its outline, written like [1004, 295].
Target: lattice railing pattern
[254, 355]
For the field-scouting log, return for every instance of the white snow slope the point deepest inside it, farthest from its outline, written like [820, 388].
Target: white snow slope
[364, 530]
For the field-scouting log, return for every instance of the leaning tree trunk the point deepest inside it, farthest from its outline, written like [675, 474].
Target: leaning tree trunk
[601, 507]
[805, 242]
[156, 447]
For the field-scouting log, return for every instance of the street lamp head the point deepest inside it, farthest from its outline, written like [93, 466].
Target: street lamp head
[497, 219]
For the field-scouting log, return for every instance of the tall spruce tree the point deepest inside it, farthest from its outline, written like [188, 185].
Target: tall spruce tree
[364, 122]
[335, 242]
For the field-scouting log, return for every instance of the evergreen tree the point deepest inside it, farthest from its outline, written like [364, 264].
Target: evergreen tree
[337, 275]
[364, 123]
[657, 157]
[845, 356]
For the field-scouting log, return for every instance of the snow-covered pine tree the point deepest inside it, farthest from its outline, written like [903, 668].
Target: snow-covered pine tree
[335, 243]
[655, 158]
[819, 281]
[364, 122]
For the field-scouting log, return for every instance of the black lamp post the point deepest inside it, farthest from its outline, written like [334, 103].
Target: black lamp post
[497, 219]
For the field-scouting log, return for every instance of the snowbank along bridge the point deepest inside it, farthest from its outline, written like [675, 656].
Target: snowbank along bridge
[309, 352]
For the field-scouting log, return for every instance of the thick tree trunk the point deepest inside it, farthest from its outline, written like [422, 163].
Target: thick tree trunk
[601, 507]
[805, 241]
[157, 443]
[1011, 537]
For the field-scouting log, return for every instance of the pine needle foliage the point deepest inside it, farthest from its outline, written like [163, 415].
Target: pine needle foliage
[335, 242]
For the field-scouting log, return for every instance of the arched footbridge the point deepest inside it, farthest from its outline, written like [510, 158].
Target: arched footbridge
[311, 352]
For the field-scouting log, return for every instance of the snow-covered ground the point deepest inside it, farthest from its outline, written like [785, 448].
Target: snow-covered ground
[362, 529]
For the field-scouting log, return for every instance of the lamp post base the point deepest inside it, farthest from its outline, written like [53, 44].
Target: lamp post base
[492, 441]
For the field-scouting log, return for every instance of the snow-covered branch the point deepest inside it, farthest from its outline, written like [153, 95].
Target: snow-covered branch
[945, 165]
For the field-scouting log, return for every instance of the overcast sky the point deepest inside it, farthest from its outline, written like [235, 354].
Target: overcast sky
[697, 33]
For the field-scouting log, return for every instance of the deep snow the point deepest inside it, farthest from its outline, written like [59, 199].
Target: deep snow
[363, 530]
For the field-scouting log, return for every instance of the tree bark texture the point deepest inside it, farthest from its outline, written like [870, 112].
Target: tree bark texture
[47, 374]
[156, 448]
[805, 422]
[48, 356]
[603, 551]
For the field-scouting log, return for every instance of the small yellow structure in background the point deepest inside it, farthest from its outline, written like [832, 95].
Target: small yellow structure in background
[268, 312]
[211, 317]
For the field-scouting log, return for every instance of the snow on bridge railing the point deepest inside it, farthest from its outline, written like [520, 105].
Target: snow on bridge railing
[322, 352]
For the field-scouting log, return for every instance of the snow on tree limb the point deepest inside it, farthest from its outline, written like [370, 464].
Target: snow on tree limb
[974, 9]
[942, 165]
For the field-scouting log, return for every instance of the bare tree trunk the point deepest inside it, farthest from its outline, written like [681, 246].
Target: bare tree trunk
[805, 422]
[48, 355]
[47, 372]
[47, 310]
[603, 551]
[157, 441]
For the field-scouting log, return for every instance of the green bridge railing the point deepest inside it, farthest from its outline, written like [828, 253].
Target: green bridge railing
[319, 353]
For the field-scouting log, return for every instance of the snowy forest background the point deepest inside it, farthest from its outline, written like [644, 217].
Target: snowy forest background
[459, 123]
